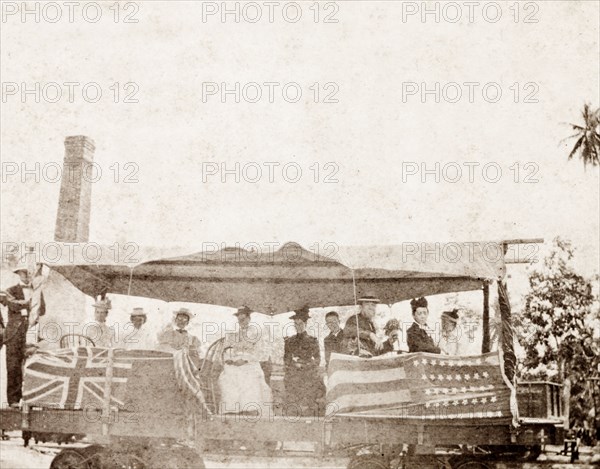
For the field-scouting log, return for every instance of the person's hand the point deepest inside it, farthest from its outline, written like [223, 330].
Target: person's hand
[378, 342]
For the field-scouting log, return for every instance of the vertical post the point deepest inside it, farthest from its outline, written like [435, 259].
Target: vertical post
[107, 392]
[508, 348]
[485, 344]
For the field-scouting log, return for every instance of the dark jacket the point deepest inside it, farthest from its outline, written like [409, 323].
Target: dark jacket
[14, 309]
[364, 330]
[388, 347]
[333, 343]
[301, 348]
[418, 340]
[303, 385]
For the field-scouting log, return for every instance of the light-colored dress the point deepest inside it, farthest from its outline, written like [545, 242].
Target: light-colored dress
[171, 339]
[243, 388]
[101, 334]
[450, 343]
[138, 339]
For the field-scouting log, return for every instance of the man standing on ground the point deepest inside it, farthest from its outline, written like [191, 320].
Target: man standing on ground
[15, 335]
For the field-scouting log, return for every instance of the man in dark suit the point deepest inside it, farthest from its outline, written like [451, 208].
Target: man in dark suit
[4, 303]
[19, 307]
[304, 388]
[359, 330]
[334, 341]
[417, 336]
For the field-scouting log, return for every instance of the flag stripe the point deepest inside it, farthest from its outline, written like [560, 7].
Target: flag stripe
[422, 385]
[350, 402]
[338, 362]
[376, 376]
[367, 388]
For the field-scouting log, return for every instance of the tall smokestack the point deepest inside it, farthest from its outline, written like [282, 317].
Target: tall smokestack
[73, 217]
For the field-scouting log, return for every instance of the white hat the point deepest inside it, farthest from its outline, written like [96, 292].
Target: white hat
[185, 311]
[20, 267]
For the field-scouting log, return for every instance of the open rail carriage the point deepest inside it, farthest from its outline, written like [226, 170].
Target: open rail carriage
[173, 421]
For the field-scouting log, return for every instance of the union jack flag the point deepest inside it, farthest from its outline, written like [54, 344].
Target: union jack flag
[74, 378]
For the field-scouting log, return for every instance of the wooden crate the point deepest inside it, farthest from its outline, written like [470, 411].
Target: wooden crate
[539, 399]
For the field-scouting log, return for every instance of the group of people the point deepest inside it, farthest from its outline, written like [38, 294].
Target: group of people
[137, 336]
[359, 336]
[244, 353]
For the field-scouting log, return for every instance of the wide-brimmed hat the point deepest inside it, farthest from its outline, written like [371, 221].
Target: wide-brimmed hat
[302, 313]
[243, 310]
[185, 311]
[451, 315]
[138, 312]
[369, 298]
[20, 268]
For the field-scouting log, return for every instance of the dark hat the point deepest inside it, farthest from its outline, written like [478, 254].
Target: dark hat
[243, 310]
[302, 313]
[138, 312]
[451, 315]
[418, 303]
[368, 299]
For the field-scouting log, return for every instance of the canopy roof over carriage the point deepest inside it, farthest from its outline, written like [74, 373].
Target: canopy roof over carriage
[275, 281]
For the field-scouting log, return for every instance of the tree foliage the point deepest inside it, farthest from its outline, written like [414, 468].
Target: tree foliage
[587, 144]
[556, 327]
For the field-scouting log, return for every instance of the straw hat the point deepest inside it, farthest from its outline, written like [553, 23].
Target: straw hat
[184, 311]
[368, 299]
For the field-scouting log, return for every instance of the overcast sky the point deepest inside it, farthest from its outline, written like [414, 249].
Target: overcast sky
[370, 137]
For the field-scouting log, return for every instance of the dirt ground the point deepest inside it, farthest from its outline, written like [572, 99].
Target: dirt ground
[14, 456]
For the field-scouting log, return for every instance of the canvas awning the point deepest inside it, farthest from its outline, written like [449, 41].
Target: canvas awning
[291, 277]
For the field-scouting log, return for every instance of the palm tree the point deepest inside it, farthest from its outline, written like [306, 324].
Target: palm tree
[588, 137]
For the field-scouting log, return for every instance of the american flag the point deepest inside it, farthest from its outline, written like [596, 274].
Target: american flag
[420, 385]
[73, 378]
[188, 379]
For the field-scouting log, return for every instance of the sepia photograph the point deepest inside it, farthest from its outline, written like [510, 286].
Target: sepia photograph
[352, 234]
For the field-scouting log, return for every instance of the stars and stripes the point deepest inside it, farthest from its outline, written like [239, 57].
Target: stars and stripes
[419, 386]
[188, 382]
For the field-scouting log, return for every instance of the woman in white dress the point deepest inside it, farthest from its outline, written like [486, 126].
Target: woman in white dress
[450, 336]
[242, 382]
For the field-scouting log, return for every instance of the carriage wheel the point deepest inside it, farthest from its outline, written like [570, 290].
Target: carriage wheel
[471, 464]
[69, 459]
[368, 461]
